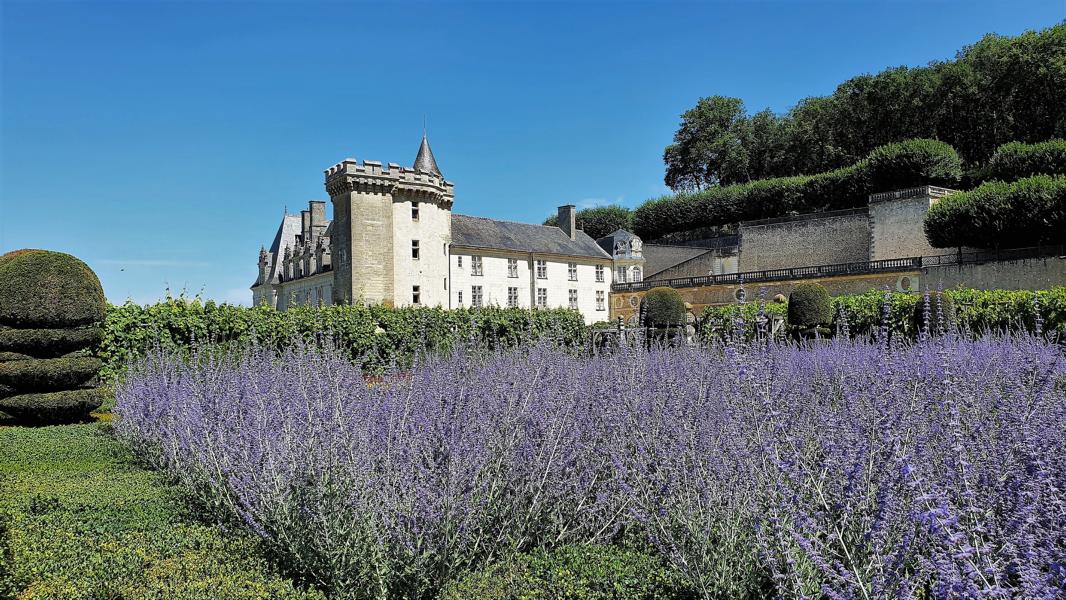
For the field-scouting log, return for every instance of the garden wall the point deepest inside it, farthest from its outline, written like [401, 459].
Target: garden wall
[821, 239]
[1026, 274]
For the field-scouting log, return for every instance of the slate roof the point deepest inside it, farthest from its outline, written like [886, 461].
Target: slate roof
[479, 232]
[658, 258]
[607, 242]
[291, 226]
[425, 161]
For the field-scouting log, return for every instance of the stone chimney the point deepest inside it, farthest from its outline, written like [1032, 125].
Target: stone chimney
[305, 225]
[568, 220]
[318, 213]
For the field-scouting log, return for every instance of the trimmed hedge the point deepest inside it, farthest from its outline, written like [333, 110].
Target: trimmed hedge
[376, 336]
[893, 166]
[65, 406]
[977, 311]
[49, 374]
[809, 305]
[1027, 212]
[587, 572]
[40, 288]
[80, 519]
[1016, 160]
[941, 313]
[665, 307]
[49, 343]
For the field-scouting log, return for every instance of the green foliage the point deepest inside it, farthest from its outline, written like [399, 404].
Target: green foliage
[64, 406]
[998, 90]
[899, 165]
[377, 336]
[586, 572]
[665, 307]
[809, 305]
[48, 374]
[599, 220]
[1017, 160]
[49, 343]
[79, 520]
[722, 321]
[976, 311]
[941, 310]
[1027, 212]
[39, 288]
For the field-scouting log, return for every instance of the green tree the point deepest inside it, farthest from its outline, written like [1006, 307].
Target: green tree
[710, 146]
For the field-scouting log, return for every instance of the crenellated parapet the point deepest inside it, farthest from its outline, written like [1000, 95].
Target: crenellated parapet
[369, 177]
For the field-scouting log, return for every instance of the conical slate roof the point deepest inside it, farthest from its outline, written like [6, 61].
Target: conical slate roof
[425, 161]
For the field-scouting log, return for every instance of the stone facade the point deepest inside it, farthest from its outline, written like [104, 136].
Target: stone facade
[391, 242]
[895, 222]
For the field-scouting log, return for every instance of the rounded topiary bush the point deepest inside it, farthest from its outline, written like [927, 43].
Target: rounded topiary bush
[39, 288]
[809, 305]
[664, 307]
[1016, 160]
[589, 572]
[941, 313]
[50, 307]
[911, 163]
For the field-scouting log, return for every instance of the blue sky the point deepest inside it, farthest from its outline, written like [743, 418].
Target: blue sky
[161, 141]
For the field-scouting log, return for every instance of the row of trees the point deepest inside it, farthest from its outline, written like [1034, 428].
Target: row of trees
[999, 90]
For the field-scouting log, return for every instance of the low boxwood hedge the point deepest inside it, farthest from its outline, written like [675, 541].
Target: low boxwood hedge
[66, 406]
[893, 166]
[48, 374]
[586, 572]
[49, 343]
[941, 310]
[1027, 212]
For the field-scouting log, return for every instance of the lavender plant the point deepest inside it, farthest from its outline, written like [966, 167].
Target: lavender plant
[843, 469]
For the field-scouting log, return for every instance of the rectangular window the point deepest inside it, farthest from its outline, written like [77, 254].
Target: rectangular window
[414, 211]
[459, 261]
[445, 283]
[599, 273]
[542, 297]
[475, 265]
[620, 275]
[416, 295]
[475, 296]
[571, 271]
[460, 297]
[599, 300]
[512, 267]
[512, 297]
[573, 299]
[542, 269]
[414, 249]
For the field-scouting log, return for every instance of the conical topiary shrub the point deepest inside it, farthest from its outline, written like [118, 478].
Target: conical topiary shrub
[51, 305]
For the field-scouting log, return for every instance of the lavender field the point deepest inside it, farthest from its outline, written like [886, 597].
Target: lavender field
[845, 469]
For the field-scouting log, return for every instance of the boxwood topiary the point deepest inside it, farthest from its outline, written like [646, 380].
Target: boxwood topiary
[941, 313]
[588, 572]
[49, 374]
[809, 305]
[52, 407]
[40, 288]
[664, 307]
[49, 343]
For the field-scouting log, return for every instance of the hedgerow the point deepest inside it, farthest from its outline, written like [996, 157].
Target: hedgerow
[978, 311]
[893, 166]
[1027, 212]
[374, 336]
[1017, 160]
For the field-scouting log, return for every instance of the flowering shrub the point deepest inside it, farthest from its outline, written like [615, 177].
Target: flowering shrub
[843, 469]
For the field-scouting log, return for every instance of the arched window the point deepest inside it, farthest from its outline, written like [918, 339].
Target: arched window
[637, 274]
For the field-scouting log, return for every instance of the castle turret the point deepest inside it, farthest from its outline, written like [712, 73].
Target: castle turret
[388, 224]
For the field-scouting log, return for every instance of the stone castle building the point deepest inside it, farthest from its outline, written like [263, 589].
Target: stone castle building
[393, 239]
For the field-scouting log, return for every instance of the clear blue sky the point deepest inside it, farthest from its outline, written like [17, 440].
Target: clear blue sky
[160, 141]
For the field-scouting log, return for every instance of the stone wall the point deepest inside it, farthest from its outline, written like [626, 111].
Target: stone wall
[1026, 274]
[710, 263]
[897, 220]
[805, 240]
